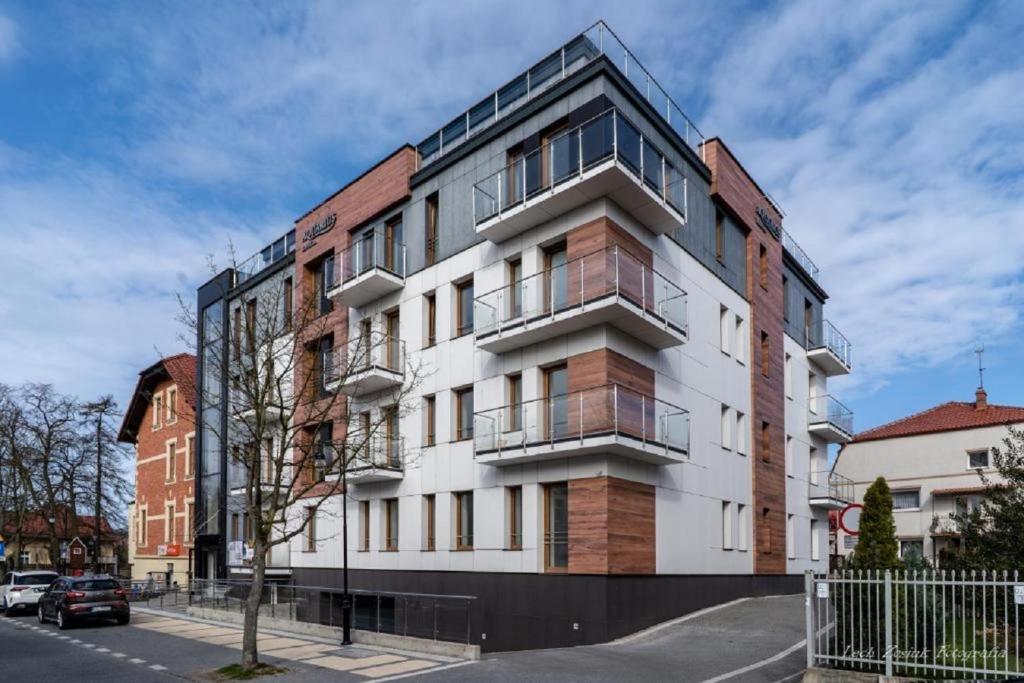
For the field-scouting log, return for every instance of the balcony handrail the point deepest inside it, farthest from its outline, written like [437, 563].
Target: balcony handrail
[801, 257]
[361, 353]
[838, 486]
[577, 153]
[619, 410]
[829, 338]
[378, 451]
[265, 257]
[357, 258]
[835, 412]
[596, 41]
[652, 291]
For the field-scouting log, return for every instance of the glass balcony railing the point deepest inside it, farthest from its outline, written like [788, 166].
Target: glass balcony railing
[609, 272]
[379, 451]
[800, 255]
[609, 410]
[375, 351]
[265, 257]
[597, 41]
[829, 485]
[377, 250]
[824, 335]
[826, 409]
[609, 135]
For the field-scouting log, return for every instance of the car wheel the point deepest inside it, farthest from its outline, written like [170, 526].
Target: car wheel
[123, 621]
[62, 622]
[39, 615]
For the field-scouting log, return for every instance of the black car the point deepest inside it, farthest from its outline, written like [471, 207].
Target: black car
[72, 599]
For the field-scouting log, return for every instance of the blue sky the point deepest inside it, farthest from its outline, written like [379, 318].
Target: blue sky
[138, 140]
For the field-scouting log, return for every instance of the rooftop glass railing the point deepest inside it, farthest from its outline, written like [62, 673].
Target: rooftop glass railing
[612, 271]
[824, 335]
[799, 255]
[609, 135]
[598, 40]
[608, 410]
[265, 257]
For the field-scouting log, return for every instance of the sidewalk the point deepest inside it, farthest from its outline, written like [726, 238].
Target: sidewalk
[371, 662]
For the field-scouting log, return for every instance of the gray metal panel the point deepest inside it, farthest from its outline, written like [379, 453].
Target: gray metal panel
[793, 321]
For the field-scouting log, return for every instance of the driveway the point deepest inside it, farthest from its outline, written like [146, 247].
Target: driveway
[759, 639]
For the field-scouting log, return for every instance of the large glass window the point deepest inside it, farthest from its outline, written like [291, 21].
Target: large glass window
[556, 527]
[464, 520]
[464, 308]
[515, 517]
[556, 279]
[515, 402]
[906, 500]
[431, 231]
[464, 413]
[391, 524]
[556, 402]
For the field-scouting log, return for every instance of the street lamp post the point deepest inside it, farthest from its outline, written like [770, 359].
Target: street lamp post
[346, 599]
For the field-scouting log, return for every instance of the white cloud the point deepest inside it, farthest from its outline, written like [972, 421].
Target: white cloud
[8, 38]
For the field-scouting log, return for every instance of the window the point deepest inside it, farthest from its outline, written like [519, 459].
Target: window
[172, 451]
[977, 459]
[393, 329]
[726, 525]
[766, 442]
[431, 232]
[785, 298]
[808, 320]
[364, 525]
[323, 450]
[429, 420]
[391, 524]
[515, 289]
[463, 308]
[323, 280]
[515, 402]
[310, 529]
[236, 326]
[764, 532]
[287, 310]
[464, 520]
[556, 527]
[267, 469]
[169, 523]
[788, 376]
[250, 325]
[190, 455]
[812, 465]
[789, 456]
[741, 433]
[719, 235]
[726, 427]
[723, 320]
[143, 528]
[815, 541]
[762, 261]
[394, 243]
[911, 547]
[741, 527]
[906, 500]
[514, 497]
[741, 343]
[172, 406]
[246, 527]
[158, 406]
[235, 526]
[430, 304]
[324, 365]
[464, 414]
[188, 522]
[791, 537]
[765, 353]
[430, 521]
[812, 393]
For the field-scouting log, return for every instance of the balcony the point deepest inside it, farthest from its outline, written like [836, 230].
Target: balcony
[265, 257]
[828, 348]
[365, 365]
[830, 419]
[376, 459]
[597, 41]
[799, 255]
[607, 286]
[609, 419]
[372, 266]
[605, 157]
[829, 491]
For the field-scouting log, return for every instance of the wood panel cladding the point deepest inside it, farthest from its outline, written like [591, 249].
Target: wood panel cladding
[611, 526]
[599, 268]
[733, 189]
[603, 410]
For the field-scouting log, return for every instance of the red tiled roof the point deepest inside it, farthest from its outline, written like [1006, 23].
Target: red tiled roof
[182, 369]
[35, 525]
[947, 417]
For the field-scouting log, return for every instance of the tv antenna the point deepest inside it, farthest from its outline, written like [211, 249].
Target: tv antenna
[980, 351]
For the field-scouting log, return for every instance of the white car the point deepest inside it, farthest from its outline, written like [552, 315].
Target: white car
[21, 590]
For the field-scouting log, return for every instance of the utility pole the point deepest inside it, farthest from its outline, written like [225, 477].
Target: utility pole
[980, 351]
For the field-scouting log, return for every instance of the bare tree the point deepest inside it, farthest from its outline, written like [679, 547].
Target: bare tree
[290, 438]
[106, 466]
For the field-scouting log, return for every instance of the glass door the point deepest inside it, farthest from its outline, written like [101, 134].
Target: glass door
[393, 240]
[556, 287]
[393, 352]
[556, 402]
[364, 257]
[556, 527]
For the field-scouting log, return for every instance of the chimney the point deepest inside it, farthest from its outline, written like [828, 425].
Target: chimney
[980, 399]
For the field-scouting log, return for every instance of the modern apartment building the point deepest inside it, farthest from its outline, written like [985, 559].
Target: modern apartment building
[932, 461]
[160, 422]
[621, 363]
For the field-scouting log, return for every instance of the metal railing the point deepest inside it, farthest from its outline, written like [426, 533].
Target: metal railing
[827, 409]
[801, 257]
[609, 135]
[944, 525]
[828, 484]
[419, 615]
[598, 40]
[608, 410]
[825, 335]
[376, 351]
[378, 451]
[375, 250]
[934, 624]
[612, 271]
[265, 257]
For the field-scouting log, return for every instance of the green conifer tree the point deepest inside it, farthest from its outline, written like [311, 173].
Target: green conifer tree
[876, 545]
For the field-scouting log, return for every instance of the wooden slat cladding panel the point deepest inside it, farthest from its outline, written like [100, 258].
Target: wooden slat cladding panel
[611, 526]
[598, 267]
[590, 373]
[734, 190]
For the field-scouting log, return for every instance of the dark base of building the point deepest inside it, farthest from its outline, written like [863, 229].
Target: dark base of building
[530, 611]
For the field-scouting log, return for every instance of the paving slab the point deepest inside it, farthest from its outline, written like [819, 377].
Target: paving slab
[408, 666]
[339, 663]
